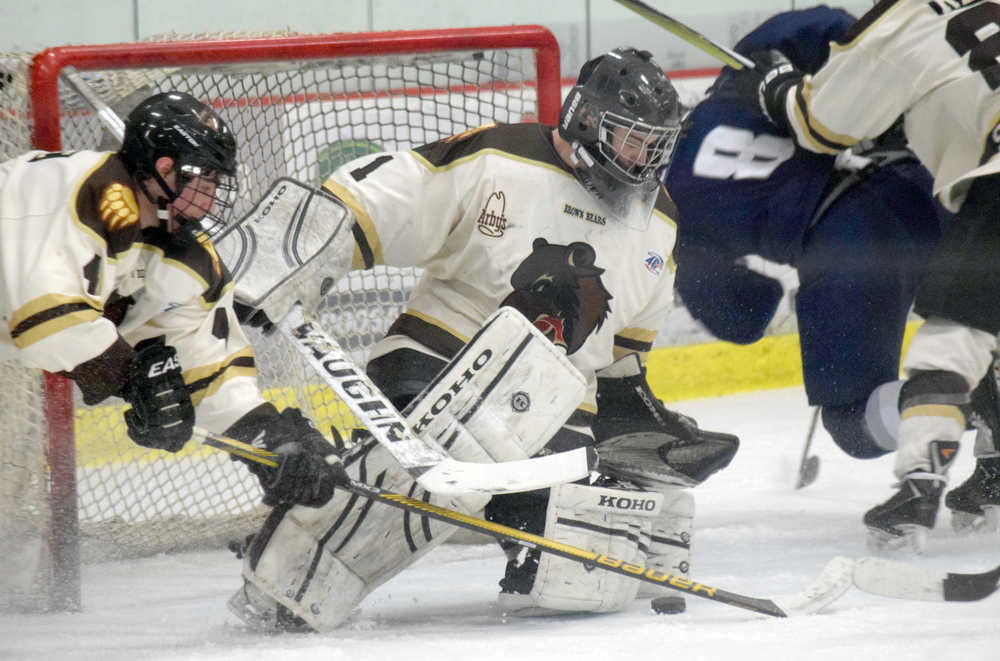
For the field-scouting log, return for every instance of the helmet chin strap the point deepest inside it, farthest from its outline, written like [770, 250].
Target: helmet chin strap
[163, 213]
[162, 202]
[580, 156]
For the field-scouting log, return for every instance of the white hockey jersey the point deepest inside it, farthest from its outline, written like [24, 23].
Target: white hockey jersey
[496, 218]
[937, 63]
[80, 280]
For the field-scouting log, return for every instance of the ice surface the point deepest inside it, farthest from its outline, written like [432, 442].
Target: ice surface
[755, 535]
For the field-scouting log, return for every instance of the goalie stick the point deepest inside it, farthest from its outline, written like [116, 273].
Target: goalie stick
[427, 461]
[878, 576]
[834, 580]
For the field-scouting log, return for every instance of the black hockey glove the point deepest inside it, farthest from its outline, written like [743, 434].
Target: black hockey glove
[162, 415]
[778, 77]
[308, 465]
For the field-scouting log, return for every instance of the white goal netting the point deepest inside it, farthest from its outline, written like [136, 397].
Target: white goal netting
[299, 110]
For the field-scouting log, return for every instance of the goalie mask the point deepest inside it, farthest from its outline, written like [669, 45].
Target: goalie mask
[203, 149]
[622, 118]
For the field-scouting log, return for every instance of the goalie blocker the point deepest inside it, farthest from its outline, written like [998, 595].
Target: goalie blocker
[292, 246]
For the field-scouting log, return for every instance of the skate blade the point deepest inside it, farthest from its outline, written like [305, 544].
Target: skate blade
[987, 523]
[912, 540]
[252, 616]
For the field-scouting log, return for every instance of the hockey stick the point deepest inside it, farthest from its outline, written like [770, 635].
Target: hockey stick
[834, 580]
[427, 461]
[107, 116]
[808, 464]
[877, 576]
[899, 580]
[696, 39]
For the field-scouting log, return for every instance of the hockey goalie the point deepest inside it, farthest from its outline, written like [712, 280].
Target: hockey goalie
[568, 227]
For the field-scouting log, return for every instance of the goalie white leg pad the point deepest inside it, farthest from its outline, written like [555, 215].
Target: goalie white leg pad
[670, 540]
[615, 522]
[319, 563]
[508, 392]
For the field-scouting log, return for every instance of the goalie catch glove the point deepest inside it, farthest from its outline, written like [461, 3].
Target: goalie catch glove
[162, 415]
[308, 465]
[642, 441]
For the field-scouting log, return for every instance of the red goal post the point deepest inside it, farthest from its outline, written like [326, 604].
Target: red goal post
[48, 64]
[300, 105]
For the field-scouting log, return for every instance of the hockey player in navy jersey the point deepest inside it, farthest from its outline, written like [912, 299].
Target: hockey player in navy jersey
[858, 231]
[935, 65]
[858, 234]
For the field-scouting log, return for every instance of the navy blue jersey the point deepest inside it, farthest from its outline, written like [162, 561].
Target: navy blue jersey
[738, 179]
[743, 187]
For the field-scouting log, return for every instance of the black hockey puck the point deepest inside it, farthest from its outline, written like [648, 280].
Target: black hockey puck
[668, 605]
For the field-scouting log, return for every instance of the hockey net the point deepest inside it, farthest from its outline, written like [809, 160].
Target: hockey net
[73, 487]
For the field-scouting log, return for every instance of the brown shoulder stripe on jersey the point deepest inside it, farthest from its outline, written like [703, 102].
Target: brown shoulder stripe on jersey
[198, 257]
[49, 321]
[433, 337]
[528, 141]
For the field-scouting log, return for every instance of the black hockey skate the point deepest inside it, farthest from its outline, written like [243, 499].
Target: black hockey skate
[641, 440]
[903, 521]
[975, 504]
[261, 612]
[519, 576]
[515, 587]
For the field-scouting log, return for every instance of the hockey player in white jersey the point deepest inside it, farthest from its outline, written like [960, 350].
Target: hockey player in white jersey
[935, 63]
[569, 226]
[109, 277]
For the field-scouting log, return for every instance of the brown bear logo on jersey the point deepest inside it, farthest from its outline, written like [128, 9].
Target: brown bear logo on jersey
[559, 289]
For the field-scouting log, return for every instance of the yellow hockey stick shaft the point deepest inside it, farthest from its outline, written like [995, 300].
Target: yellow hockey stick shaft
[696, 39]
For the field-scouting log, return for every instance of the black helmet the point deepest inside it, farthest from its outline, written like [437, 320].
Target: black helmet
[621, 98]
[182, 128]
